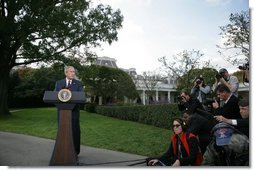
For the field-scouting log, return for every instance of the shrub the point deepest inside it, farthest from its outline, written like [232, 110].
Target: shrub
[157, 115]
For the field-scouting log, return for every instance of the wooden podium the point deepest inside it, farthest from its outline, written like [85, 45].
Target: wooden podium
[64, 152]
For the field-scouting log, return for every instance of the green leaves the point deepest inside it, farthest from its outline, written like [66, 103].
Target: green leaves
[108, 82]
[236, 38]
[46, 30]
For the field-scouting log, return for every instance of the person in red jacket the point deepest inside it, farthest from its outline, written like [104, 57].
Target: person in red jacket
[183, 150]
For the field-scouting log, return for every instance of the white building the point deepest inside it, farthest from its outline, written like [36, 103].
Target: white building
[162, 92]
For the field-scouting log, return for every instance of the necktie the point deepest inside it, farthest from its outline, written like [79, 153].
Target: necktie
[69, 84]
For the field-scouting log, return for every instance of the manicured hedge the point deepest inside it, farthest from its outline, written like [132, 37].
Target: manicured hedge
[157, 115]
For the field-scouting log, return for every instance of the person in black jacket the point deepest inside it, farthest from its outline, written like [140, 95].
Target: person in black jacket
[183, 150]
[230, 108]
[199, 126]
[187, 102]
[241, 124]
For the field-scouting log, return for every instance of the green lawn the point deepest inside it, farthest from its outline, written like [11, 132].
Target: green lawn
[96, 130]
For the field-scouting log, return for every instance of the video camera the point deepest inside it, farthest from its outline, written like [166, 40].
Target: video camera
[210, 101]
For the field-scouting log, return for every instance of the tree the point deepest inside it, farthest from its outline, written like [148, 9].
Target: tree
[236, 37]
[187, 80]
[150, 80]
[110, 83]
[28, 85]
[51, 31]
[181, 63]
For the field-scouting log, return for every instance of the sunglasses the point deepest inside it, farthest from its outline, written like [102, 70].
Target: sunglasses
[176, 126]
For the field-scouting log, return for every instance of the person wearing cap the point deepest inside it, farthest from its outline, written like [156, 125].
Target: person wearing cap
[230, 81]
[200, 91]
[229, 147]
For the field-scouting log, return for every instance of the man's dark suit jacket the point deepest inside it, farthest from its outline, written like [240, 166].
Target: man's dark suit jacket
[75, 86]
[229, 110]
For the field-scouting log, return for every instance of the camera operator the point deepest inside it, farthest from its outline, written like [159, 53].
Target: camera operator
[186, 102]
[200, 91]
[230, 81]
[245, 69]
[230, 109]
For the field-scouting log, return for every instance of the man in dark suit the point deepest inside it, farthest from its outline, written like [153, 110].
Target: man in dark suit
[241, 124]
[73, 85]
[230, 108]
[187, 102]
[199, 126]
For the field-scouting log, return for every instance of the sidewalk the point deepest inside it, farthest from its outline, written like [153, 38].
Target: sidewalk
[24, 150]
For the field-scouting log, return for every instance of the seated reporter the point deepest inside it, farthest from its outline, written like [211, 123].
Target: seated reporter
[183, 150]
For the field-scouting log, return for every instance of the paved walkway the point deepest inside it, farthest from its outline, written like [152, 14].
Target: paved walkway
[24, 150]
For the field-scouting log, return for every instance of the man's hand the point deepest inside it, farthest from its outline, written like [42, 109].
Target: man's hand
[220, 118]
[215, 105]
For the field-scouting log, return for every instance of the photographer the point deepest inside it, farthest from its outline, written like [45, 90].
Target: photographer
[186, 102]
[200, 91]
[230, 109]
[230, 81]
[245, 69]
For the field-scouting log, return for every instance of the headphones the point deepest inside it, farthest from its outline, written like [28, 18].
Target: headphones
[182, 123]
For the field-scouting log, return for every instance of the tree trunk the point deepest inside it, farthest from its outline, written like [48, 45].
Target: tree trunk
[4, 79]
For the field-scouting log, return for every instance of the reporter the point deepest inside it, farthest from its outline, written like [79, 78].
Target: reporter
[183, 150]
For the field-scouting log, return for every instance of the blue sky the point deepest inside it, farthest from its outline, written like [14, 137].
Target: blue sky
[156, 28]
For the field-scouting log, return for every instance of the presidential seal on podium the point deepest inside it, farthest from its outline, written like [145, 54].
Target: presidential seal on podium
[64, 95]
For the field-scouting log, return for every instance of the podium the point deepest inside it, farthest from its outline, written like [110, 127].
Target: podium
[64, 152]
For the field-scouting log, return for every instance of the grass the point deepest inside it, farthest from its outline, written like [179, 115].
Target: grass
[96, 131]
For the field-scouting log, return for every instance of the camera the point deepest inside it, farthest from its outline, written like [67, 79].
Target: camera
[210, 101]
[244, 67]
[198, 82]
[218, 76]
[179, 98]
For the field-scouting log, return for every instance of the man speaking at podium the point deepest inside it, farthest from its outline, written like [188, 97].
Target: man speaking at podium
[73, 85]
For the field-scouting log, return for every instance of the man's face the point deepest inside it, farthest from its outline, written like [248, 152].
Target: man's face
[224, 75]
[70, 73]
[244, 111]
[222, 95]
[185, 96]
